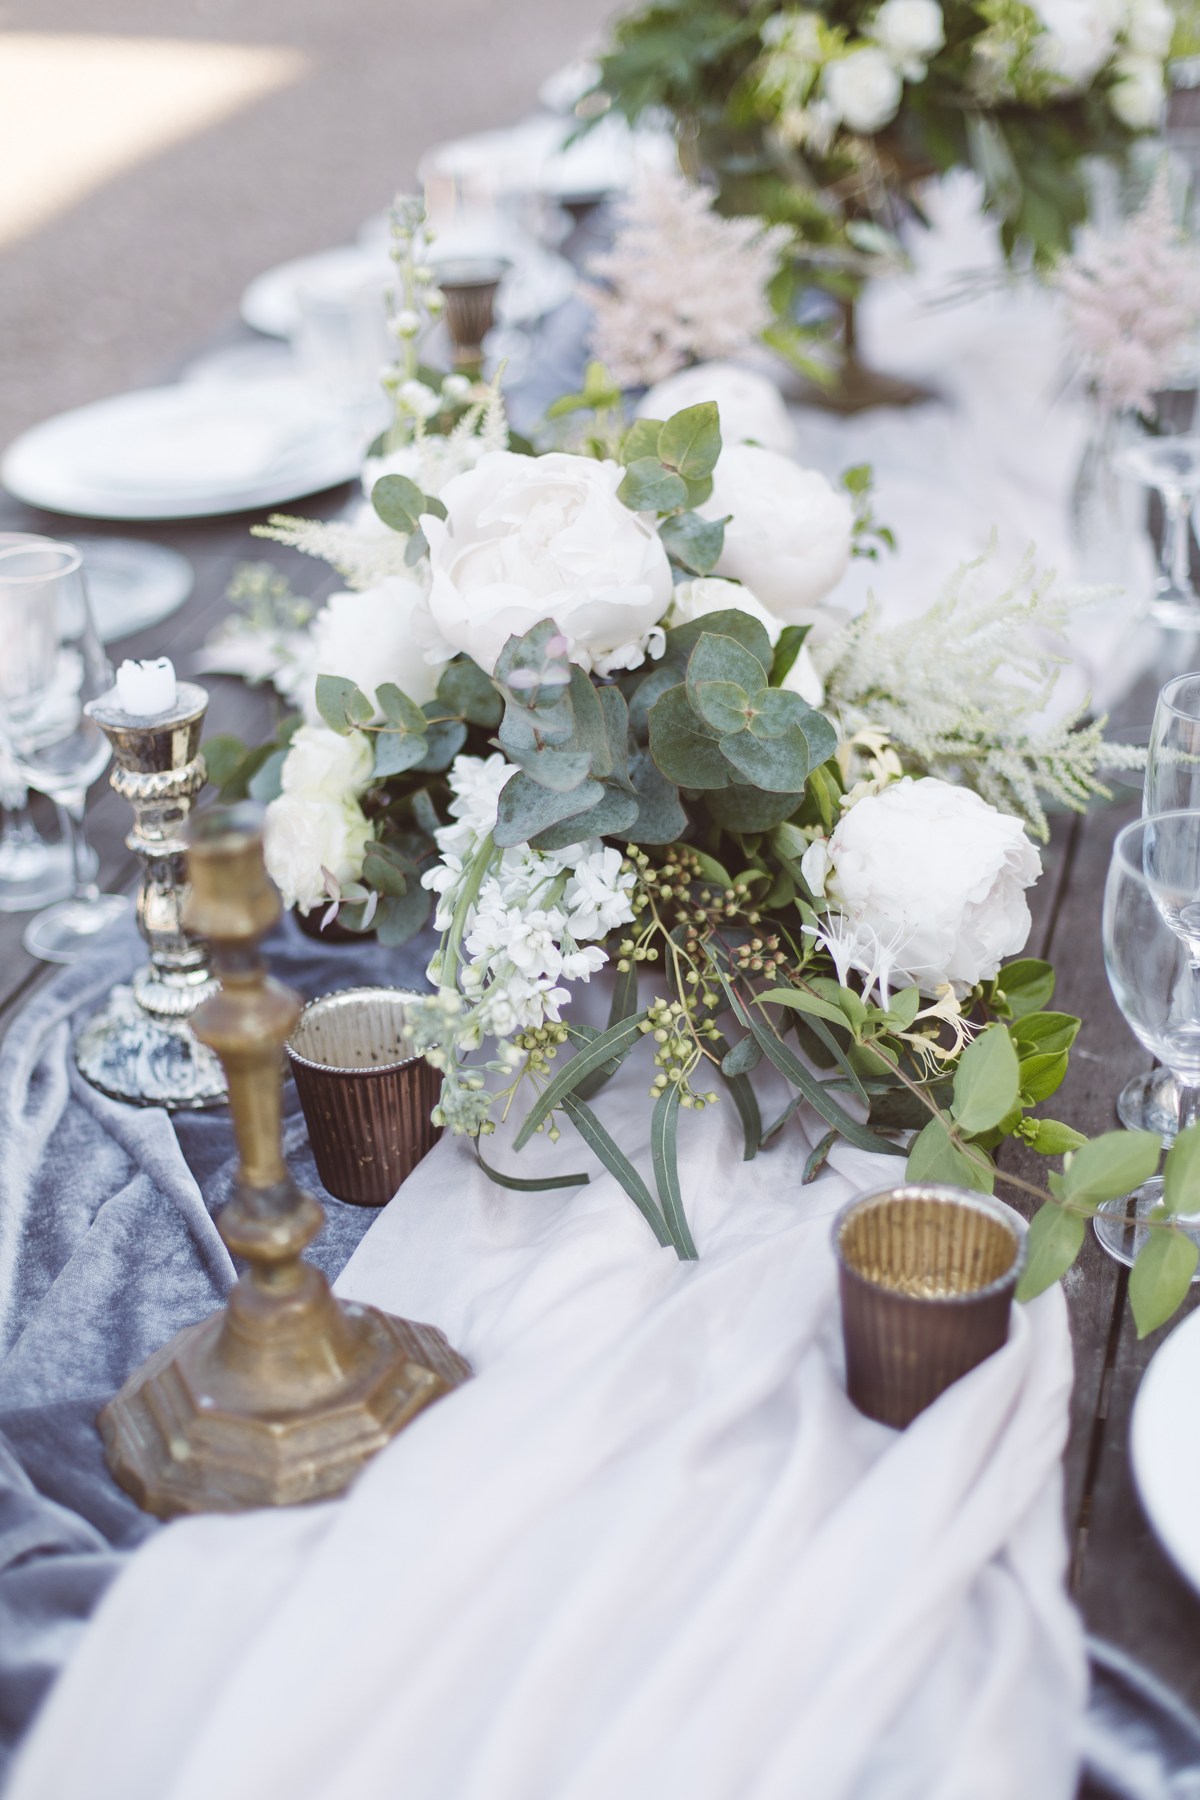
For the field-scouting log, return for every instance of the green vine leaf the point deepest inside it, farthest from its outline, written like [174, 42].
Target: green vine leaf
[1055, 1239]
[986, 1082]
[1181, 1176]
[1113, 1164]
[935, 1156]
[1160, 1278]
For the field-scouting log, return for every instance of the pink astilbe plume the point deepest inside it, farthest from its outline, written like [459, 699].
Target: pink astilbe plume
[681, 283]
[1133, 300]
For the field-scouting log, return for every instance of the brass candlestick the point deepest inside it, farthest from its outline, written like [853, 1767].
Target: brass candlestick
[284, 1394]
[140, 1047]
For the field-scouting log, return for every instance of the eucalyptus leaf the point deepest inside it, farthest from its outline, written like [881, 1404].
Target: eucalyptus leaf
[695, 543]
[742, 808]
[745, 630]
[465, 689]
[384, 870]
[681, 746]
[401, 916]
[342, 703]
[817, 1158]
[398, 751]
[612, 816]
[616, 1162]
[648, 487]
[444, 739]
[664, 1121]
[266, 783]
[399, 502]
[787, 648]
[538, 1184]
[398, 709]
[745, 1055]
[777, 765]
[617, 1040]
[641, 440]
[690, 441]
[526, 808]
[660, 815]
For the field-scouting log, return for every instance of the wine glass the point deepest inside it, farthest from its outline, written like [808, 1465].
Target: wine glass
[1150, 1102]
[1169, 462]
[1152, 957]
[32, 870]
[51, 667]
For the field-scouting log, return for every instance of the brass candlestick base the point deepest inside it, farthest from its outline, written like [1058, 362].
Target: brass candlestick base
[287, 1392]
[140, 1046]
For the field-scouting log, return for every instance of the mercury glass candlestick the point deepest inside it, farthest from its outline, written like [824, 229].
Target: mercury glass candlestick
[285, 1393]
[140, 1047]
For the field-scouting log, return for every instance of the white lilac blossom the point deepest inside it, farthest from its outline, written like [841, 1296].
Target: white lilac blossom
[518, 925]
[1132, 302]
[680, 284]
[790, 534]
[530, 538]
[750, 407]
[927, 883]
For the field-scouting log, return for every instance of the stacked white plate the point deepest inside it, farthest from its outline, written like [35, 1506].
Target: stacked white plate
[1165, 1446]
[198, 450]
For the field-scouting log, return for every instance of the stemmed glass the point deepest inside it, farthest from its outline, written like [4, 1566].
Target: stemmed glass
[32, 871]
[51, 667]
[1152, 957]
[1170, 463]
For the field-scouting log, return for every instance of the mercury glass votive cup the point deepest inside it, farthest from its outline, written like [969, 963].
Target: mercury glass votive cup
[926, 1275]
[367, 1094]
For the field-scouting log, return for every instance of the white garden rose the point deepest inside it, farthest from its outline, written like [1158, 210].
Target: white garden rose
[864, 90]
[1149, 28]
[1138, 95]
[1078, 37]
[910, 31]
[790, 533]
[529, 538]
[322, 765]
[385, 633]
[710, 594]
[928, 881]
[302, 838]
[750, 406]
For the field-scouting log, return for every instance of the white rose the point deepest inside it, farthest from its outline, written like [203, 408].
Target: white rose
[931, 876]
[1149, 28]
[751, 407]
[528, 538]
[864, 90]
[320, 765]
[385, 633]
[790, 534]
[709, 594]
[910, 31]
[1138, 95]
[304, 837]
[1078, 37]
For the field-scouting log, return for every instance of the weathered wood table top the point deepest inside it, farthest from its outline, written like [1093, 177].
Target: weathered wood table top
[1129, 1593]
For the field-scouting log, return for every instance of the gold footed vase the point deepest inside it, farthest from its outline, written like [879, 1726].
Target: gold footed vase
[285, 1393]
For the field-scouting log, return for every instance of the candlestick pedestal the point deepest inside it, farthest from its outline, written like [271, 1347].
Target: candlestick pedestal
[284, 1394]
[140, 1047]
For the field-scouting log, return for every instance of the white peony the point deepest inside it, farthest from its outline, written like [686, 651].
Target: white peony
[1149, 28]
[910, 31]
[709, 594]
[790, 534]
[530, 538]
[927, 884]
[751, 407]
[321, 765]
[385, 633]
[303, 838]
[863, 89]
[1138, 95]
[1078, 37]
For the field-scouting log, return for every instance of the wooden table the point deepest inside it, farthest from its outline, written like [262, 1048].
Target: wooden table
[1128, 1591]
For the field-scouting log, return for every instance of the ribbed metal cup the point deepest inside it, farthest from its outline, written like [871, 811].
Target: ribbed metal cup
[469, 287]
[927, 1275]
[366, 1093]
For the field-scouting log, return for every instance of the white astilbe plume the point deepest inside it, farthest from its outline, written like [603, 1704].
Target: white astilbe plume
[363, 556]
[681, 284]
[1132, 301]
[960, 689]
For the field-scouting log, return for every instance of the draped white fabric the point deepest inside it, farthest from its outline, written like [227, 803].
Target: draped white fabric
[650, 1551]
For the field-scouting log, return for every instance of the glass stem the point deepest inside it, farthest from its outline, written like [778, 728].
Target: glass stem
[70, 812]
[1177, 541]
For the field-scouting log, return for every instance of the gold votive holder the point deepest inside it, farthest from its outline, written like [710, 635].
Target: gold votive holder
[926, 1275]
[367, 1095]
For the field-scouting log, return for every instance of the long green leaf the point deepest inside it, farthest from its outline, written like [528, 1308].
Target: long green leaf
[530, 1184]
[617, 1163]
[817, 1096]
[745, 1100]
[663, 1123]
[624, 1005]
[618, 1039]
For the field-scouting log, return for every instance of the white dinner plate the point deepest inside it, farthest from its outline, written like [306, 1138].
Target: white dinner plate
[1165, 1446]
[198, 450]
[132, 584]
[536, 281]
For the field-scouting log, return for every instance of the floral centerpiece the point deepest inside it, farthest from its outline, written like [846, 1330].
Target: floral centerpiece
[827, 118]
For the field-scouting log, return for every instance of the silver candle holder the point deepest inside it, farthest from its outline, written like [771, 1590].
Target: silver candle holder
[140, 1047]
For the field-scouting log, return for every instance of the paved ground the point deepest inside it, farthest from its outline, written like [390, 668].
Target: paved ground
[281, 143]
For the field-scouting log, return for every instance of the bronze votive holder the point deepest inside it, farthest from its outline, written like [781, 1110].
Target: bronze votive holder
[926, 1275]
[367, 1094]
[469, 287]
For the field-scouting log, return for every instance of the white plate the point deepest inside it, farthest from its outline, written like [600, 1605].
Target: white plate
[132, 584]
[198, 450]
[1165, 1446]
[537, 280]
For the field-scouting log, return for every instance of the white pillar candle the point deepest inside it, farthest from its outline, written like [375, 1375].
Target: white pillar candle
[145, 689]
